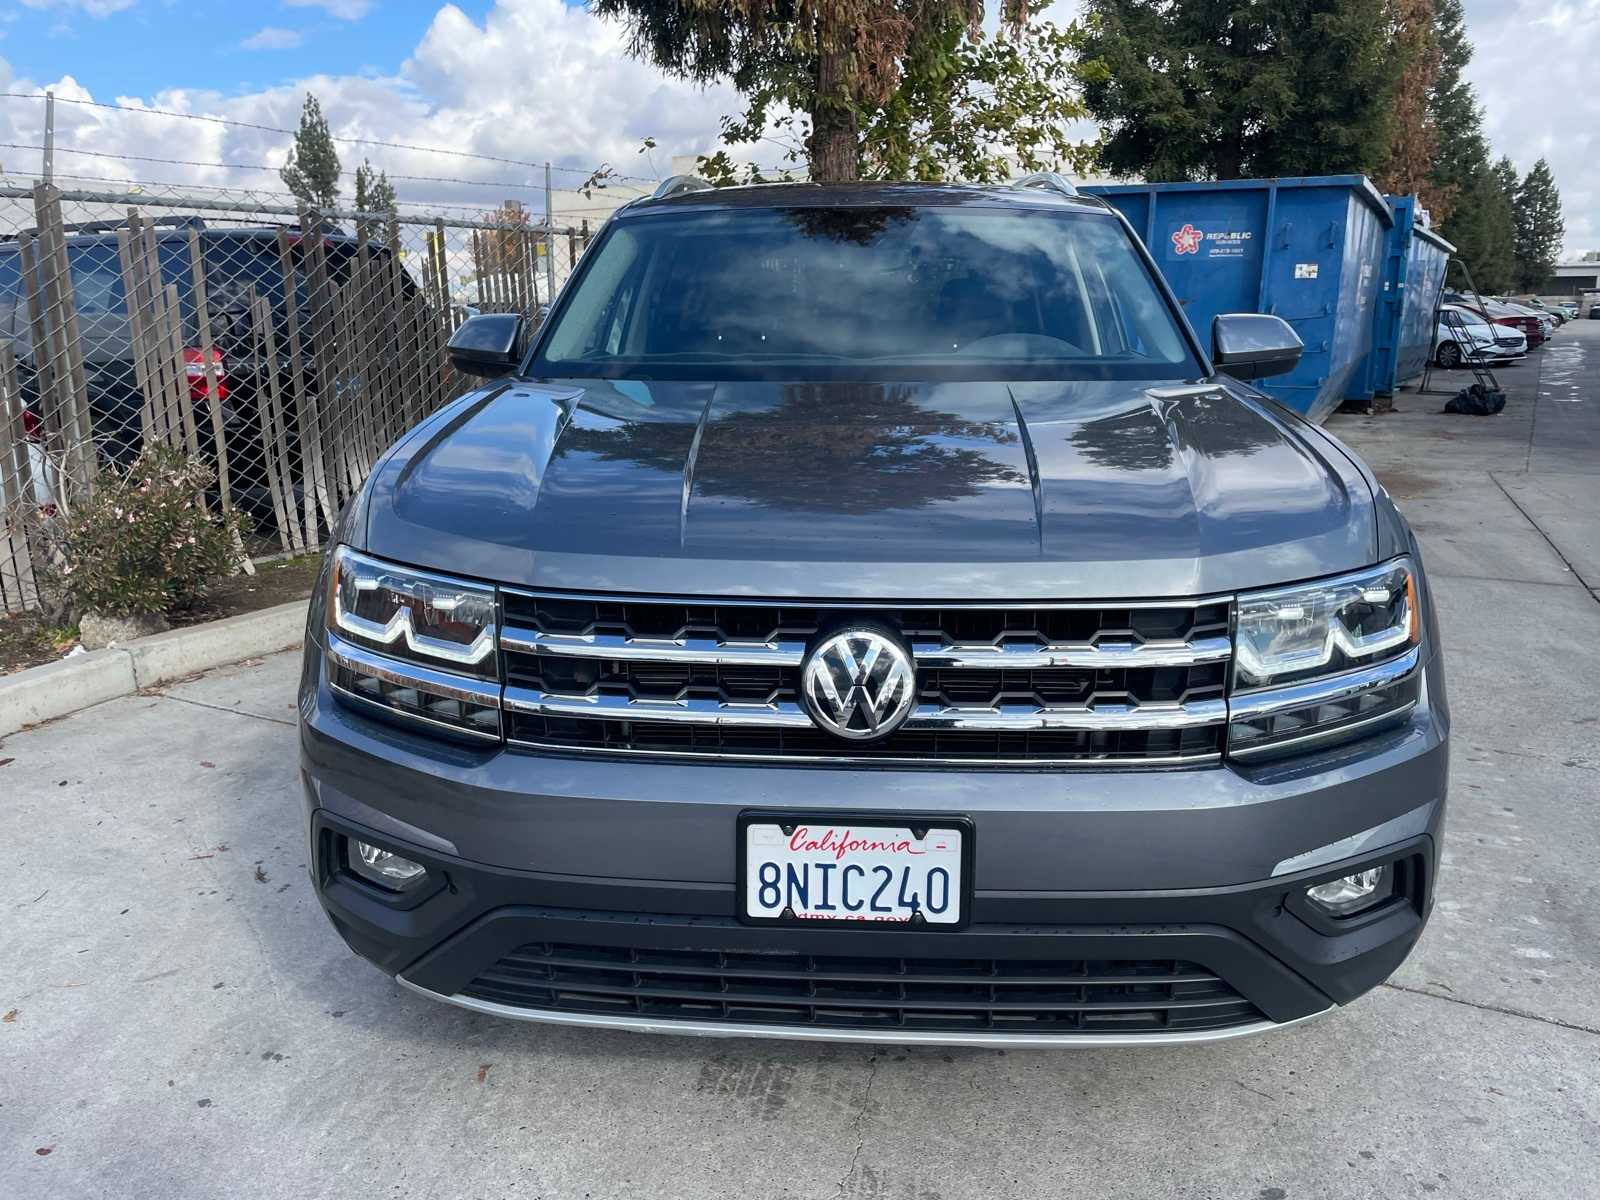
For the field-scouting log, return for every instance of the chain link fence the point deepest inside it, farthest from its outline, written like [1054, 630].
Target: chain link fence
[284, 346]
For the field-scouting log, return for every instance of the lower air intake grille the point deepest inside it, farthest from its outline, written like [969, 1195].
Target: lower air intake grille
[1022, 996]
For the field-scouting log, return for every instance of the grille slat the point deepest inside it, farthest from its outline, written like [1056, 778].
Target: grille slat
[1142, 684]
[847, 992]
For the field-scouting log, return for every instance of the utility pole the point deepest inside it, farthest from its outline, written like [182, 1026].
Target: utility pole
[49, 136]
[549, 239]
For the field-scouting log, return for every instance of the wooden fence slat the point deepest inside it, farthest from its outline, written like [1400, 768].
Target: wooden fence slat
[17, 496]
[203, 343]
[319, 296]
[72, 384]
[307, 417]
[131, 294]
[172, 317]
[259, 379]
[278, 451]
[169, 345]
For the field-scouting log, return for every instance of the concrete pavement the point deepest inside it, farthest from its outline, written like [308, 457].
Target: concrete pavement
[186, 1024]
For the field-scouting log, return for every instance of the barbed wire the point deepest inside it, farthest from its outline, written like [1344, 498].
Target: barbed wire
[235, 166]
[172, 193]
[339, 138]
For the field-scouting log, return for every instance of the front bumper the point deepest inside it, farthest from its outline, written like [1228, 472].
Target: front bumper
[622, 874]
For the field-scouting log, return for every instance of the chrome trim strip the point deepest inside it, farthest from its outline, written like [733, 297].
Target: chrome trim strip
[1078, 762]
[787, 714]
[890, 1037]
[1105, 717]
[788, 653]
[1098, 656]
[865, 604]
[1267, 701]
[780, 714]
[692, 649]
[406, 674]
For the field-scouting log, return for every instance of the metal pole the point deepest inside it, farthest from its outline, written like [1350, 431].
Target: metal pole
[49, 136]
[549, 239]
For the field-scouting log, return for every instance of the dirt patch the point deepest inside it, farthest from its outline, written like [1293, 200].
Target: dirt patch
[273, 583]
[26, 641]
[1406, 485]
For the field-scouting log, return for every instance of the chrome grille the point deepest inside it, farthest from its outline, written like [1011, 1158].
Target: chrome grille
[1001, 684]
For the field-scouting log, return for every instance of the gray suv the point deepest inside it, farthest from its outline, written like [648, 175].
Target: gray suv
[870, 613]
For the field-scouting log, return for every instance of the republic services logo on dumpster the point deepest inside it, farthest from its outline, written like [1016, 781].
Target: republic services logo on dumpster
[1215, 243]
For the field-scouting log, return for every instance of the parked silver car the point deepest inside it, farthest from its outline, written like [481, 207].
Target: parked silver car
[1462, 337]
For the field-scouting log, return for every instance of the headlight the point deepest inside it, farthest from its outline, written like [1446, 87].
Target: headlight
[397, 611]
[1322, 661]
[1326, 627]
[416, 644]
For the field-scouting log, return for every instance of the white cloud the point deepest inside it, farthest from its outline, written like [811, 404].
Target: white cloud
[536, 81]
[1533, 69]
[273, 37]
[540, 79]
[91, 8]
[345, 10]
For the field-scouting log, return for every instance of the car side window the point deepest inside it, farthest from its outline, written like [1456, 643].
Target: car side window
[10, 291]
[97, 280]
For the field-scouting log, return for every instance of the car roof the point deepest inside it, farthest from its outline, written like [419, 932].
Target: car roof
[180, 233]
[865, 195]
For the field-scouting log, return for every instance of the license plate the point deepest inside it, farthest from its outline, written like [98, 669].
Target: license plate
[854, 871]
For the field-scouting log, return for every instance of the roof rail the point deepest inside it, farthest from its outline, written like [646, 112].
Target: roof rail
[678, 184]
[112, 226]
[1052, 180]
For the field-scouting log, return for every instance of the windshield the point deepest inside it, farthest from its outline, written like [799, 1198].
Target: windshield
[866, 292]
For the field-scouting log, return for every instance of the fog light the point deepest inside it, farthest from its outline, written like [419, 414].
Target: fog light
[1341, 897]
[382, 867]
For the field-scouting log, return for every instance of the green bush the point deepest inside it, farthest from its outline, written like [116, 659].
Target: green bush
[146, 542]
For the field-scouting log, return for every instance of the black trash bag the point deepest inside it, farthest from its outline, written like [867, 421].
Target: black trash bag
[1476, 401]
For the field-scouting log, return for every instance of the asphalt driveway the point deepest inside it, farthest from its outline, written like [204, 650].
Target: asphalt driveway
[177, 1019]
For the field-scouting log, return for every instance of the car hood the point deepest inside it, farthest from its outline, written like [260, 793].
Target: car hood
[872, 490]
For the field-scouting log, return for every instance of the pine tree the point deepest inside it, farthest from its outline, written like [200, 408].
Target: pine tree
[1539, 227]
[375, 194]
[1505, 174]
[312, 169]
[1480, 226]
[1211, 89]
[1460, 151]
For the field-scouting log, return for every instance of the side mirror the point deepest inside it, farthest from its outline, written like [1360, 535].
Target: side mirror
[488, 345]
[1253, 345]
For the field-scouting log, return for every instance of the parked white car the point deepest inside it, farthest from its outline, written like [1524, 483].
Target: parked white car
[1466, 336]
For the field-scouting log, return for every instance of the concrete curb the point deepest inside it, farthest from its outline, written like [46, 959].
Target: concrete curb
[56, 689]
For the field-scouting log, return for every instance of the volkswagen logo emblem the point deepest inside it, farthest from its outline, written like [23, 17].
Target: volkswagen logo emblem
[859, 684]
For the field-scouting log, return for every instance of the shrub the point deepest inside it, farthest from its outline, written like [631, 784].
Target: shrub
[145, 542]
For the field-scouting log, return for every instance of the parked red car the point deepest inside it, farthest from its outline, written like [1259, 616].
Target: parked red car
[1502, 314]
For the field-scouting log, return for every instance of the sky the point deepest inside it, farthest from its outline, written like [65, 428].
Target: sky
[543, 80]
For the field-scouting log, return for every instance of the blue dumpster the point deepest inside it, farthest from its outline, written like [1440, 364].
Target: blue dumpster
[1306, 249]
[1402, 325]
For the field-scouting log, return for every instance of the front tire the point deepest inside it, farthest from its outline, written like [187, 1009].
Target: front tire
[1449, 356]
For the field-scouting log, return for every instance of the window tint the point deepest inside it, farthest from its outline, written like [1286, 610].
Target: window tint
[939, 292]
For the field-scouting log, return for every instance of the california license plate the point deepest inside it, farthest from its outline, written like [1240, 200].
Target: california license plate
[854, 871]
